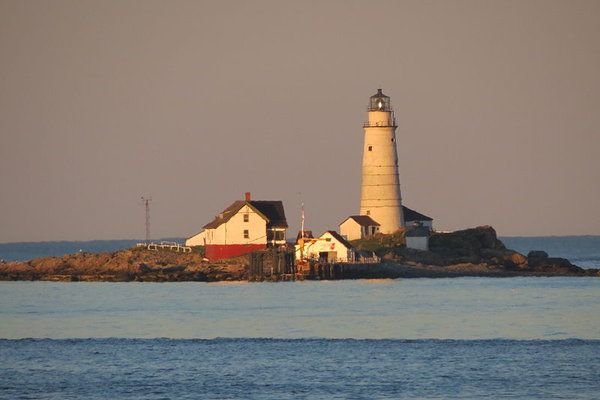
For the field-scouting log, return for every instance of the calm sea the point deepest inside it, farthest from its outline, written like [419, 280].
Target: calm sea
[493, 338]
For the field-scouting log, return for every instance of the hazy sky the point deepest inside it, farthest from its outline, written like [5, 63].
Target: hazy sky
[193, 103]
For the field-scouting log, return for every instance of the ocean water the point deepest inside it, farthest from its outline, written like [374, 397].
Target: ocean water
[458, 308]
[472, 338]
[583, 251]
[467, 338]
[298, 369]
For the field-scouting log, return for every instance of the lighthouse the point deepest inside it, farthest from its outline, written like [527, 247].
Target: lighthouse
[380, 190]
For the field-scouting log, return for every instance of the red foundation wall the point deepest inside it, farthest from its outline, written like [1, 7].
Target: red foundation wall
[220, 251]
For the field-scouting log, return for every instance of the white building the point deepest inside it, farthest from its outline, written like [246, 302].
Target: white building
[380, 189]
[245, 226]
[417, 237]
[358, 226]
[412, 218]
[329, 247]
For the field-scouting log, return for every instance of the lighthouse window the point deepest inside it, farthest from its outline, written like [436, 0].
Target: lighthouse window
[392, 139]
[370, 148]
[246, 234]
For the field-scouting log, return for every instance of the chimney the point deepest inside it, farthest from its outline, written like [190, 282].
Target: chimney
[248, 196]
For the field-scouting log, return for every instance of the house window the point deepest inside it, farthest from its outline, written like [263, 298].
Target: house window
[246, 234]
[246, 217]
[370, 148]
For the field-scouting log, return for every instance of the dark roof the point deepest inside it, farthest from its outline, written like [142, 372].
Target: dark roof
[307, 235]
[380, 95]
[340, 239]
[271, 210]
[412, 215]
[225, 215]
[363, 220]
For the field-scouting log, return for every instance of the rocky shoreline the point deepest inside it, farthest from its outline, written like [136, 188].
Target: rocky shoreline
[137, 264]
[472, 252]
[476, 252]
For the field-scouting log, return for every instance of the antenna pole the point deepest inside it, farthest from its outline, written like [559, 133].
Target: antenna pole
[146, 201]
[302, 228]
[301, 241]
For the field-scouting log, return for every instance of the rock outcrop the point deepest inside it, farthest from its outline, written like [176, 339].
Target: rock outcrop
[137, 264]
[478, 251]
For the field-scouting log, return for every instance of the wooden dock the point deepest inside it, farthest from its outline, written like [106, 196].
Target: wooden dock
[280, 265]
[271, 265]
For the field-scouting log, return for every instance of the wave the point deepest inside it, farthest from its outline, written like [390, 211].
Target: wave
[300, 341]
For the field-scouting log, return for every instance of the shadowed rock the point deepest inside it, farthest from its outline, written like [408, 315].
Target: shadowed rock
[478, 251]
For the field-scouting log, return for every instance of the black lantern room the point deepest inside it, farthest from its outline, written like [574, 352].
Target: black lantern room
[380, 102]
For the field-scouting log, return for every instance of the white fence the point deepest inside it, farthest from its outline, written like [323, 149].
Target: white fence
[172, 246]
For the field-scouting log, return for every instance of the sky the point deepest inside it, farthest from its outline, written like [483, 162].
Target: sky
[193, 103]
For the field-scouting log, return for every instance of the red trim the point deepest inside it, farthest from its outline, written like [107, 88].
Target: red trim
[220, 251]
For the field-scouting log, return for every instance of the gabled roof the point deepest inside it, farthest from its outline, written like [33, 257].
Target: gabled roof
[412, 215]
[225, 215]
[363, 220]
[271, 211]
[339, 238]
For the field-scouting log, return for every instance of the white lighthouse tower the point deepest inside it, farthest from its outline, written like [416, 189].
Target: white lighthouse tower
[380, 191]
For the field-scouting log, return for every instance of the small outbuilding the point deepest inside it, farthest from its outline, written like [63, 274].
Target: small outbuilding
[358, 226]
[330, 247]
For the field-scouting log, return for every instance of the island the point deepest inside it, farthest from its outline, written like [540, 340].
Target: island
[470, 252]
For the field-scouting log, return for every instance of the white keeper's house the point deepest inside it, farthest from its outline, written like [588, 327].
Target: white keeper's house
[243, 227]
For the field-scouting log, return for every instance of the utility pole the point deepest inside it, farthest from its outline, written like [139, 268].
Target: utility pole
[146, 201]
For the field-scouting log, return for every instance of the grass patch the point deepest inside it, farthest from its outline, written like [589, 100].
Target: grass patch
[380, 243]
